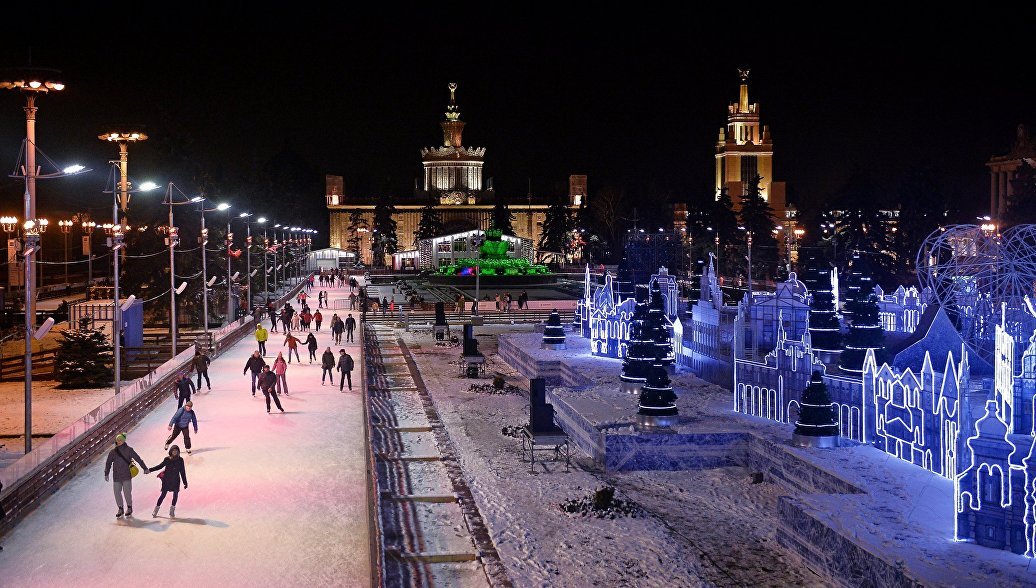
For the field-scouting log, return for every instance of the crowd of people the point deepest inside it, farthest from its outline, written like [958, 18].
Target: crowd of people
[124, 463]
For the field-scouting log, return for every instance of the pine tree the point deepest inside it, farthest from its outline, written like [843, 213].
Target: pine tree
[862, 224]
[757, 217]
[553, 332]
[84, 360]
[385, 239]
[858, 282]
[556, 227]
[657, 397]
[864, 333]
[817, 417]
[640, 351]
[657, 331]
[430, 224]
[824, 328]
[357, 228]
[502, 216]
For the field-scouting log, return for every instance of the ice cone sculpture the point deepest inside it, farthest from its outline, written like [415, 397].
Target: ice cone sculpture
[640, 351]
[657, 408]
[817, 425]
[554, 332]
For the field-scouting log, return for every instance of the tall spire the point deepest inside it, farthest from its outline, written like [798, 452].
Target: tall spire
[743, 102]
[452, 127]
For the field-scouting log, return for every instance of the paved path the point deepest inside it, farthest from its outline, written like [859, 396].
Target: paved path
[274, 500]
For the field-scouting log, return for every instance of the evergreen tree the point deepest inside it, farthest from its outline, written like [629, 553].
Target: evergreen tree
[430, 224]
[656, 329]
[84, 360]
[858, 282]
[556, 227]
[640, 350]
[357, 229]
[757, 217]
[824, 328]
[865, 333]
[502, 216]
[385, 239]
[817, 416]
[657, 397]
[553, 332]
[862, 225]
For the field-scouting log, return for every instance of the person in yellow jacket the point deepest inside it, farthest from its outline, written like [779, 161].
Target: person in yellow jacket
[261, 335]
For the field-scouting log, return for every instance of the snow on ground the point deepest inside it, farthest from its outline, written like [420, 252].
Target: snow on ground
[274, 500]
[702, 528]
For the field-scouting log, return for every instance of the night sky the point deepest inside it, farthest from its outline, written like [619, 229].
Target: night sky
[632, 101]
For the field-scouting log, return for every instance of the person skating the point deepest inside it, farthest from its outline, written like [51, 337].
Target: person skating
[345, 366]
[350, 326]
[180, 422]
[296, 321]
[122, 479]
[336, 328]
[261, 335]
[256, 364]
[184, 389]
[280, 369]
[173, 470]
[201, 363]
[384, 305]
[272, 313]
[327, 362]
[318, 318]
[293, 345]
[311, 344]
[268, 384]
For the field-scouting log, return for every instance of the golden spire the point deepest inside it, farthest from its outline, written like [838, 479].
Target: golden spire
[453, 111]
[743, 102]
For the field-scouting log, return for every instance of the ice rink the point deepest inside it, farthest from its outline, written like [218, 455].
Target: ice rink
[273, 499]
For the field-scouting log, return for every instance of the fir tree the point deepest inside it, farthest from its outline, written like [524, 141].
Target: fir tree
[385, 239]
[757, 217]
[817, 417]
[357, 228]
[556, 227]
[84, 360]
[657, 331]
[864, 333]
[640, 351]
[657, 397]
[824, 328]
[502, 216]
[430, 224]
[863, 225]
[553, 332]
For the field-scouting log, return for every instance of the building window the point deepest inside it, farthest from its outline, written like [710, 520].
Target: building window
[749, 168]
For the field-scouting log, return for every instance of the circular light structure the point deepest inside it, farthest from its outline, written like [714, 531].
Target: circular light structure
[123, 136]
[32, 79]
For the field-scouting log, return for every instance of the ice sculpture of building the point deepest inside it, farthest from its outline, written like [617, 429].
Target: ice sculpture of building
[606, 309]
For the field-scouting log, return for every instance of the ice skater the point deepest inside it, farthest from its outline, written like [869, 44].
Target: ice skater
[350, 326]
[293, 345]
[280, 369]
[201, 363]
[256, 364]
[318, 318]
[268, 384]
[122, 478]
[311, 345]
[183, 390]
[173, 470]
[327, 362]
[261, 335]
[345, 366]
[180, 422]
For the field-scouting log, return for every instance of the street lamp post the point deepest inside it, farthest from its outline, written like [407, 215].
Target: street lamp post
[32, 229]
[114, 231]
[66, 228]
[230, 243]
[204, 239]
[124, 137]
[266, 247]
[88, 233]
[248, 258]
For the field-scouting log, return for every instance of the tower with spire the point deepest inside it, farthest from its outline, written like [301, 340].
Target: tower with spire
[453, 171]
[744, 150]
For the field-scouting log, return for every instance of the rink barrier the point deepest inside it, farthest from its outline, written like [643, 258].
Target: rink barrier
[41, 472]
[371, 352]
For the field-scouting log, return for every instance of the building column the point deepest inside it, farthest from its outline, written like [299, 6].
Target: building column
[993, 212]
[1001, 201]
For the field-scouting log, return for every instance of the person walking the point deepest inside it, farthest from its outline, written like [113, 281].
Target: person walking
[311, 344]
[317, 319]
[497, 301]
[183, 389]
[122, 477]
[345, 366]
[327, 362]
[268, 384]
[173, 470]
[256, 364]
[384, 305]
[286, 318]
[460, 304]
[274, 317]
[261, 335]
[350, 326]
[280, 369]
[352, 300]
[293, 345]
[305, 317]
[180, 422]
[335, 329]
[201, 363]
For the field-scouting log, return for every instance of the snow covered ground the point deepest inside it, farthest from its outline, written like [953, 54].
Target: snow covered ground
[274, 500]
[699, 528]
[52, 411]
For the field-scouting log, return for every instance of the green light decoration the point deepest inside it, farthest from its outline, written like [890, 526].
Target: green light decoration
[493, 261]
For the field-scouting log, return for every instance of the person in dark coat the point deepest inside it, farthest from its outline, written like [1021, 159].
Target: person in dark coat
[268, 384]
[350, 326]
[180, 423]
[345, 366]
[327, 362]
[311, 344]
[174, 470]
[119, 460]
[184, 389]
[256, 364]
[201, 363]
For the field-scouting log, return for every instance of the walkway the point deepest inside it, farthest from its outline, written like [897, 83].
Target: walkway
[274, 500]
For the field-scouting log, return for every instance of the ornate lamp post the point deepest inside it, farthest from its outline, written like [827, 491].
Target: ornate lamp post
[31, 231]
[204, 239]
[230, 243]
[248, 257]
[66, 228]
[266, 249]
[88, 227]
[123, 137]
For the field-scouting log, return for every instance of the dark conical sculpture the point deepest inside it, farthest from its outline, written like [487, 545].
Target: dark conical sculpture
[554, 332]
[657, 410]
[817, 425]
[640, 351]
[656, 329]
[441, 327]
